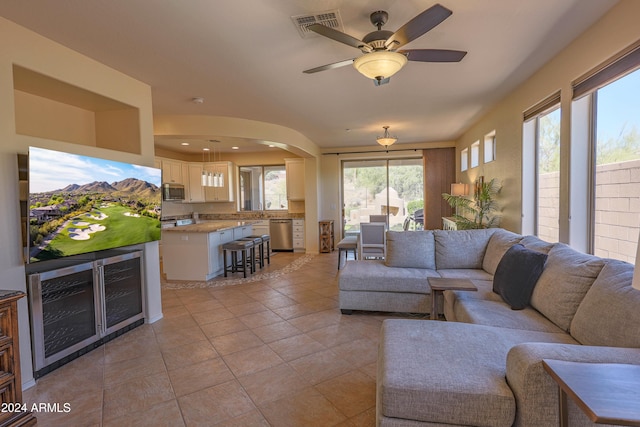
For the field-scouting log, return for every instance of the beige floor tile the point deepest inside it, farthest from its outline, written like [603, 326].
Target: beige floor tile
[295, 347]
[248, 308]
[167, 324]
[307, 408]
[211, 316]
[292, 311]
[127, 370]
[263, 318]
[223, 327]
[273, 383]
[206, 305]
[137, 395]
[199, 376]
[279, 301]
[253, 419]
[179, 337]
[321, 366]
[252, 360]
[317, 320]
[276, 331]
[335, 334]
[165, 414]
[237, 341]
[221, 403]
[179, 357]
[352, 393]
[359, 352]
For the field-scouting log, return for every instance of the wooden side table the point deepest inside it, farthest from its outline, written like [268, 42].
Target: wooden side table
[606, 392]
[10, 379]
[440, 284]
[326, 236]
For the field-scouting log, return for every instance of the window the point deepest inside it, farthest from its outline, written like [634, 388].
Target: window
[381, 187]
[606, 111]
[262, 188]
[464, 160]
[616, 178]
[475, 154]
[490, 147]
[541, 170]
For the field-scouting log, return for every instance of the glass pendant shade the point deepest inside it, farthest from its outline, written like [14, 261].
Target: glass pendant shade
[380, 64]
[386, 139]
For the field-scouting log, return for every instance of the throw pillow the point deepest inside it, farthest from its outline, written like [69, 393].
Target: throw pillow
[517, 274]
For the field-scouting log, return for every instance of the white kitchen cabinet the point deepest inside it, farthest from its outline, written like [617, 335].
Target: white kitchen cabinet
[196, 190]
[172, 171]
[298, 235]
[261, 227]
[225, 193]
[295, 179]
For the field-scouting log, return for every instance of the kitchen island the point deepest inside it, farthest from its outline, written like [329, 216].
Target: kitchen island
[194, 252]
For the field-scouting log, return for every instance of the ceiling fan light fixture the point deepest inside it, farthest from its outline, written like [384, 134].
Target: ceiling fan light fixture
[380, 64]
[386, 139]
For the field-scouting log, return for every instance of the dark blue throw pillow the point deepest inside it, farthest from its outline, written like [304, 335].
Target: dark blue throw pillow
[517, 274]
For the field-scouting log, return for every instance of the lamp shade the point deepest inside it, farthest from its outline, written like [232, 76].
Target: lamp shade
[636, 271]
[386, 139]
[459, 189]
[379, 64]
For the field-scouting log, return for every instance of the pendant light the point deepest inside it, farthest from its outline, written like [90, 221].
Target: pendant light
[386, 139]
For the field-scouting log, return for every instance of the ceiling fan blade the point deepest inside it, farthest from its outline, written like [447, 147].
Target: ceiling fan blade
[433, 55]
[329, 66]
[380, 82]
[419, 25]
[339, 36]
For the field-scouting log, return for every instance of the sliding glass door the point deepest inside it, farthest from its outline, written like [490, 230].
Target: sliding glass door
[394, 188]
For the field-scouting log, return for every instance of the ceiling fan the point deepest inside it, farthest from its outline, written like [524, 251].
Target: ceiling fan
[381, 59]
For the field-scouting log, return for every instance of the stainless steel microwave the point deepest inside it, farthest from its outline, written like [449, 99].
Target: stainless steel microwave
[172, 191]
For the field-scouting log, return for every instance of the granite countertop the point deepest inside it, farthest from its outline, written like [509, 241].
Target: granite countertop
[208, 226]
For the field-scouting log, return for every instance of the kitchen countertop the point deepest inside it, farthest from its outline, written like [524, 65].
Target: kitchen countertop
[208, 226]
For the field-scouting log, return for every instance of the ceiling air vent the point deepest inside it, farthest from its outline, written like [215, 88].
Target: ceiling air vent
[330, 18]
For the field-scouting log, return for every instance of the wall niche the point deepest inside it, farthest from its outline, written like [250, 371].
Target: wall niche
[52, 109]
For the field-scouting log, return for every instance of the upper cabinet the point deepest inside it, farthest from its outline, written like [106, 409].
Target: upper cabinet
[295, 179]
[196, 190]
[172, 172]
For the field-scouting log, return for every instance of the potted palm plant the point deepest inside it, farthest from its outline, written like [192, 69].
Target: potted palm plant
[478, 212]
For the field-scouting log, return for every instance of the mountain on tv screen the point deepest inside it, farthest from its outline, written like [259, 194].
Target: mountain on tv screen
[80, 204]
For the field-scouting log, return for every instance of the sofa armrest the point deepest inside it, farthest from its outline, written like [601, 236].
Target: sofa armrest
[536, 393]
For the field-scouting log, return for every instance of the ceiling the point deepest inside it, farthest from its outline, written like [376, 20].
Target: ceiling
[245, 58]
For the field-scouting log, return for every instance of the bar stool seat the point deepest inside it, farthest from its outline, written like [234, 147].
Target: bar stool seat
[265, 248]
[242, 247]
[349, 243]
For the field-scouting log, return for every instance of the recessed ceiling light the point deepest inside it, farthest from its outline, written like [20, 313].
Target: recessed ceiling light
[197, 100]
[235, 148]
[205, 149]
[271, 146]
[184, 143]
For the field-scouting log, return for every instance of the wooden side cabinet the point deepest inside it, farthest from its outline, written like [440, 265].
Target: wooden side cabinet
[326, 236]
[10, 379]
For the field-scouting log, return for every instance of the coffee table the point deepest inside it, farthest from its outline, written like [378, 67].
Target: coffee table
[440, 284]
[606, 392]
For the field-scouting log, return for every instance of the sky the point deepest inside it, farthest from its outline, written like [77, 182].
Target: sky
[619, 106]
[53, 170]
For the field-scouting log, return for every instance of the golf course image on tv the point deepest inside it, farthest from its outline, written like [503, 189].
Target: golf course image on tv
[80, 204]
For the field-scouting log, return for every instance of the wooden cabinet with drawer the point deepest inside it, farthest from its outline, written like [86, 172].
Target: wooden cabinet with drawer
[10, 379]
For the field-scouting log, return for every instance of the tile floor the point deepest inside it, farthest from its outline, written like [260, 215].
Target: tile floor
[269, 352]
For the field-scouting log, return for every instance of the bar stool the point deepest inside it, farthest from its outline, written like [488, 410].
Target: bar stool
[257, 244]
[243, 247]
[349, 243]
[266, 242]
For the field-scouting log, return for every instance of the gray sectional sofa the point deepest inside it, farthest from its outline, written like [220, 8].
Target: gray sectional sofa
[483, 366]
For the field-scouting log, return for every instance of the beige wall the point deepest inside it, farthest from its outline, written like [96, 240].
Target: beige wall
[615, 31]
[34, 52]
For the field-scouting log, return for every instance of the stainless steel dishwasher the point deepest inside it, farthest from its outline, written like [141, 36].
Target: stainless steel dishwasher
[281, 231]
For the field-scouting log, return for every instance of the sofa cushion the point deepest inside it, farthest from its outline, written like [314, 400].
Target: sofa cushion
[567, 276]
[413, 249]
[461, 248]
[609, 314]
[445, 373]
[465, 273]
[517, 274]
[498, 244]
[374, 276]
[536, 244]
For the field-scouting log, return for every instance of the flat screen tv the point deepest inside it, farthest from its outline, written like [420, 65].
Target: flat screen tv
[79, 204]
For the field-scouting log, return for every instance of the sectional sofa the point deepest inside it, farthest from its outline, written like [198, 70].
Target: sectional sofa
[483, 366]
